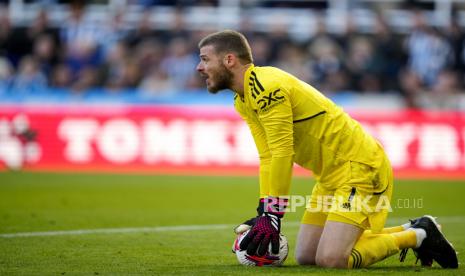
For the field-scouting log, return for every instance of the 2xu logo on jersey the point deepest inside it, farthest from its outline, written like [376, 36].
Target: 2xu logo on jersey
[272, 99]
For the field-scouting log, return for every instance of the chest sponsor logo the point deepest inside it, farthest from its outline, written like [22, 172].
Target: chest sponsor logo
[272, 99]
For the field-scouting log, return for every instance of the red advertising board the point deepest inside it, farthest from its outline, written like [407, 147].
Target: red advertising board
[202, 140]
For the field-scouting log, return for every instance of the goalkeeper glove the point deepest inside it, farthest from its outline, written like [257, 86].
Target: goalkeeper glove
[266, 228]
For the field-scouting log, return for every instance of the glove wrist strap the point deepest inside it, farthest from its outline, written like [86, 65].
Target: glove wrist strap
[275, 205]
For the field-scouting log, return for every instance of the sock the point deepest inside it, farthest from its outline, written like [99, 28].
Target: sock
[406, 226]
[372, 248]
[407, 238]
[393, 229]
[420, 235]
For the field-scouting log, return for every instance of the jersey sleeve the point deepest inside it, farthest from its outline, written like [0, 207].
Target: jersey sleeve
[264, 153]
[274, 111]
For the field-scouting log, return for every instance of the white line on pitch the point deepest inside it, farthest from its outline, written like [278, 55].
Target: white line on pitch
[119, 230]
[181, 228]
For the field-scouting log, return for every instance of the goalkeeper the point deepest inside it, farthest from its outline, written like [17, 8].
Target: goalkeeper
[291, 121]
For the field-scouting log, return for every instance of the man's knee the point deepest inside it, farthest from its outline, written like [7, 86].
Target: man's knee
[336, 243]
[307, 244]
[304, 259]
[331, 260]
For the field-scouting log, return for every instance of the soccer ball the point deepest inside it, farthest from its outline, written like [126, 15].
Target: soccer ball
[269, 259]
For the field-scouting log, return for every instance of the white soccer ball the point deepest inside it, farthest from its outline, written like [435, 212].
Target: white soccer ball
[269, 259]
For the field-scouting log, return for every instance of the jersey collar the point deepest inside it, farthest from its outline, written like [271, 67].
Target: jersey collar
[247, 76]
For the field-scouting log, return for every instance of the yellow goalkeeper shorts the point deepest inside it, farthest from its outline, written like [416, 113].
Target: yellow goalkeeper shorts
[355, 202]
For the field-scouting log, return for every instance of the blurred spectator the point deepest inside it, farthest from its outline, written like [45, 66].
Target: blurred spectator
[41, 26]
[361, 65]
[279, 37]
[410, 86]
[145, 31]
[6, 74]
[80, 38]
[23, 39]
[337, 82]
[349, 33]
[150, 53]
[157, 83]
[179, 63]
[429, 53]
[122, 69]
[292, 59]
[29, 78]
[114, 65]
[388, 55]
[45, 51]
[246, 26]
[443, 95]
[425, 65]
[5, 31]
[177, 26]
[326, 55]
[86, 79]
[113, 32]
[456, 37]
[261, 50]
[61, 77]
[132, 74]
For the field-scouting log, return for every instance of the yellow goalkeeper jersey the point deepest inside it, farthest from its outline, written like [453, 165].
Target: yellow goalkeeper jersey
[293, 122]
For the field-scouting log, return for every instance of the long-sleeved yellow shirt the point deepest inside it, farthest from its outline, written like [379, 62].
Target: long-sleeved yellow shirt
[293, 122]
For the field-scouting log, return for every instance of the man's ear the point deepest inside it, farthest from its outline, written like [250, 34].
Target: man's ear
[229, 60]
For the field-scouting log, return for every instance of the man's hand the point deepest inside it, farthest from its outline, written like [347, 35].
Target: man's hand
[266, 228]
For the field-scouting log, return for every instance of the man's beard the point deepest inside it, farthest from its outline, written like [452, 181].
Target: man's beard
[223, 80]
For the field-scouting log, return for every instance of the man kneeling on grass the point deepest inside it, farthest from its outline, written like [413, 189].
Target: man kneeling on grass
[291, 122]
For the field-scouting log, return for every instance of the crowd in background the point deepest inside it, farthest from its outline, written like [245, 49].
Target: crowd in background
[425, 65]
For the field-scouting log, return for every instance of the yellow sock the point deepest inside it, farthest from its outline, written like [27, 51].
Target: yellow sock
[388, 230]
[393, 229]
[371, 248]
[405, 239]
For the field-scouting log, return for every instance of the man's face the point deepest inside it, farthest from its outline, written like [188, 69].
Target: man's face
[211, 67]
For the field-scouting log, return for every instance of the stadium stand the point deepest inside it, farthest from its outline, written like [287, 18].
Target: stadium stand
[409, 52]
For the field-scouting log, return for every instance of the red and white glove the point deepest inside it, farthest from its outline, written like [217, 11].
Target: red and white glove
[266, 228]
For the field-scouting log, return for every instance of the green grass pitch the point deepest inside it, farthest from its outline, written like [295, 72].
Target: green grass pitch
[44, 202]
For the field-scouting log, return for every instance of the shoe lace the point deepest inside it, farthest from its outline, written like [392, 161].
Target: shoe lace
[403, 252]
[403, 255]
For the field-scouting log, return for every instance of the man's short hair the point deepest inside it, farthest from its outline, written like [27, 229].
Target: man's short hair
[229, 41]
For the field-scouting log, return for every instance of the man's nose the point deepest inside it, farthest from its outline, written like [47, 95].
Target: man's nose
[199, 67]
